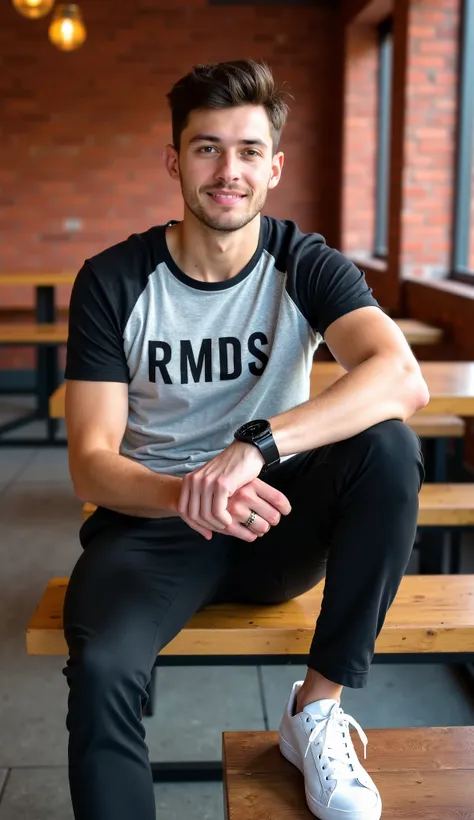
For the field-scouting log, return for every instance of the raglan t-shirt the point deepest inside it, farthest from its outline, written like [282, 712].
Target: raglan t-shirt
[202, 358]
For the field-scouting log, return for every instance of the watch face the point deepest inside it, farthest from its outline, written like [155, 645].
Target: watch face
[253, 429]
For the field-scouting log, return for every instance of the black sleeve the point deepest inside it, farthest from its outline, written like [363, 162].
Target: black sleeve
[327, 285]
[95, 341]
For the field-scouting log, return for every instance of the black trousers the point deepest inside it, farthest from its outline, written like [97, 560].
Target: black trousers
[138, 581]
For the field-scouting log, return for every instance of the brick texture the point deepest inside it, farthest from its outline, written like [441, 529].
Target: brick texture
[360, 139]
[82, 133]
[431, 116]
[429, 138]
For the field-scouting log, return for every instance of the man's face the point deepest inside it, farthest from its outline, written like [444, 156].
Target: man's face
[226, 165]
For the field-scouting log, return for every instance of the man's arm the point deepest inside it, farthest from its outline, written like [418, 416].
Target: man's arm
[383, 381]
[96, 417]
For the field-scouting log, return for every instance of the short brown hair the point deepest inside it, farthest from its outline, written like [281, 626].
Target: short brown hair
[225, 85]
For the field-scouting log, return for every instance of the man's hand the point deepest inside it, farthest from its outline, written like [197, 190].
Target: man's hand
[220, 495]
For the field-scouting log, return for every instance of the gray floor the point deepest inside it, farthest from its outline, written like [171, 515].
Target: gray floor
[194, 706]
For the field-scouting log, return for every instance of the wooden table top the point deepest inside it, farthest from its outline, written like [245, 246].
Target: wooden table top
[421, 773]
[37, 278]
[451, 384]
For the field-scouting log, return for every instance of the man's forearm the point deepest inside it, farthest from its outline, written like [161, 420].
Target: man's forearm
[376, 390]
[118, 483]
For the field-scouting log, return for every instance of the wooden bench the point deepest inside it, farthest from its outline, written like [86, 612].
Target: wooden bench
[441, 505]
[427, 426]
[421, 773]
[34, 333]
[419, 333]
[430, 614]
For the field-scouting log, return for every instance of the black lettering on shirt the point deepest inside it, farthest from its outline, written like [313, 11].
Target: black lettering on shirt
[204, 360]
[225, 374]
[153, 362]
[259, 354]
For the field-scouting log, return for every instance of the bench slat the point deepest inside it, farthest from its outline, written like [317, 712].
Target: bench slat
[446, 505]
[33, 333]
[37, 278]
[419, 333]
[427, 426]
[441, 505]
[424, 773]
[430, 614]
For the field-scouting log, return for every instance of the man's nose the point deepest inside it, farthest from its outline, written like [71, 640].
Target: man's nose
[227, 167]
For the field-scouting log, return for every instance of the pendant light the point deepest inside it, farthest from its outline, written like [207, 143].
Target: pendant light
[67, 30]
[33, 8]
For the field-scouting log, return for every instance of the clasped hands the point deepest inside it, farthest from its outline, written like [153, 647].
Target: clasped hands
[220, 495]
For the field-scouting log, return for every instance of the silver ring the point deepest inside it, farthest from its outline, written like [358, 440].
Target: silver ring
[250, 519]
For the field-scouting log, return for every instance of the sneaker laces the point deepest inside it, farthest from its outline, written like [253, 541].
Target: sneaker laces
[337, 744]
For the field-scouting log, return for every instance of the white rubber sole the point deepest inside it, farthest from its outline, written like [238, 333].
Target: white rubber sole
[325, 812]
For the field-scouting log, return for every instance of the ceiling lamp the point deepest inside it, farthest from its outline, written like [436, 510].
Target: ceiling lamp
[67, 30]
[33, 8]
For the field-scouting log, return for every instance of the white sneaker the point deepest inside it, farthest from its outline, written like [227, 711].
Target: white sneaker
[318, 742]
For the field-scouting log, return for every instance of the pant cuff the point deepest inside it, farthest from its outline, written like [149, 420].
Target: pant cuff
[340, 674]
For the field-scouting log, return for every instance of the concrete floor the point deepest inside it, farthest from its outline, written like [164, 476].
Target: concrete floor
[194, 706]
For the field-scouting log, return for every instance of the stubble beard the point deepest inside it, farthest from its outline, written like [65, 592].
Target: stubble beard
[226, 223]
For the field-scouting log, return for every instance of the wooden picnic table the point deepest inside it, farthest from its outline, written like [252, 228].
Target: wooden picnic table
[47, 362]
[44, 284]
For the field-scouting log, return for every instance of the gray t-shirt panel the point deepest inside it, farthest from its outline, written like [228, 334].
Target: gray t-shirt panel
[201, 358]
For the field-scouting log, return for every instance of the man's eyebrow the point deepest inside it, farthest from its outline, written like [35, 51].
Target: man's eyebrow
[212, 138]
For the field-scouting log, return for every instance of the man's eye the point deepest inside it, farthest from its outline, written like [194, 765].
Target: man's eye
[207, 148]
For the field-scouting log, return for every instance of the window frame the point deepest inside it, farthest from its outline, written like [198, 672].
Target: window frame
[384, 99]
[460, 270]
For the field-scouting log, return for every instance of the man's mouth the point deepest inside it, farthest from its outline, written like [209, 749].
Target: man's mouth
[223, 198]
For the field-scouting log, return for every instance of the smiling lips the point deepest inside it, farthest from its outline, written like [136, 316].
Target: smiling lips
[226, 197]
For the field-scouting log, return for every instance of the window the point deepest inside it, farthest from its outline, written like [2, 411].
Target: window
[463, 238]
[383, 139]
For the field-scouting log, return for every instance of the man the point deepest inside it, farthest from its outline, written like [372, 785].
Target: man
[216, 478]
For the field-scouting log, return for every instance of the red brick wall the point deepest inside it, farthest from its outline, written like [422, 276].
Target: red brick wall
[433, 47]
[360, 139]
[429, 138]
[82, 133]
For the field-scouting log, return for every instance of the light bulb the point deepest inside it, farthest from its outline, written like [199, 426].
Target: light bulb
[67, 30]
[33, 8]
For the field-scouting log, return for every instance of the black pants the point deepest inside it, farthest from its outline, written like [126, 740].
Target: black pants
[138, 581]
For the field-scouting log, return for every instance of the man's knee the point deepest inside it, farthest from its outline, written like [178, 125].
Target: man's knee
[394, 450]
[102, 668]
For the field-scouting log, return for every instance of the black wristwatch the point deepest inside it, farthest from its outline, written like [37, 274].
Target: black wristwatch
[259, 433]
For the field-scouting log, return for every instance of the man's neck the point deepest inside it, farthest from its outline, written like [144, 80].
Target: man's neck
[212, 256]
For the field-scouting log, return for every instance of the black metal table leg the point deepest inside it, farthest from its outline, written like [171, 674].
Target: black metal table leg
[46, 359]
[433, 551]
[454, 567]
[432, 546]
[440, 459]
[187, 771]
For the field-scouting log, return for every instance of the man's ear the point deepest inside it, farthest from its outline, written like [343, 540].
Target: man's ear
[277, 167]
[171, 160]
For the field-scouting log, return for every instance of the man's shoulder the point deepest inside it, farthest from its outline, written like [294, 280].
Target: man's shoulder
[290, 245]
[138, 250]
